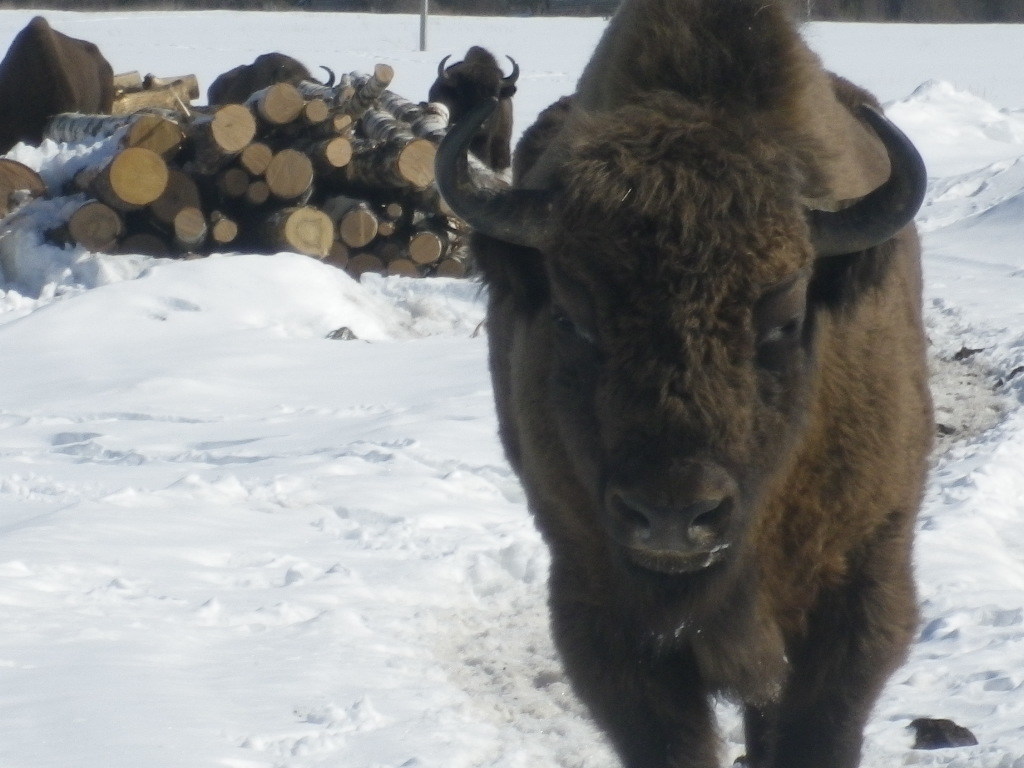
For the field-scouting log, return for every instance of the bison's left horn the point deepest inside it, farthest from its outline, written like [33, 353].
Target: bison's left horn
[511, 79]
[330, 76]
[882, 213]
[479, 195]
[441, 73]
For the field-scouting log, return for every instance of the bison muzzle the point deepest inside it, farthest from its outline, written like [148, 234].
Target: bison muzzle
[708, 356]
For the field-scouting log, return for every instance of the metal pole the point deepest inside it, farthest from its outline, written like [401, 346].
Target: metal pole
[424, 12]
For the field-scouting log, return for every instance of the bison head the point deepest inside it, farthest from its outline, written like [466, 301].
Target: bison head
[475, 79]
[663, 344]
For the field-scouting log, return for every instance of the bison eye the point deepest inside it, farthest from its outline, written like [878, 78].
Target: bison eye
[565, 326]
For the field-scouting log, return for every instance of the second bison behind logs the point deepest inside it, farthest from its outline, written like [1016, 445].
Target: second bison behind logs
[466, 84]
[709, 367]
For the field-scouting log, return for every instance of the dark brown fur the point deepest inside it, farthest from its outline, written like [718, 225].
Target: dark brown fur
[464, 85]
[238, 84]
[626, 348]
[45, 73]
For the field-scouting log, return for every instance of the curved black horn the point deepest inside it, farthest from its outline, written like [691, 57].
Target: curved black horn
[479, 195]
[440, 68]
[882, 213]
[330, 76]
[511, 79]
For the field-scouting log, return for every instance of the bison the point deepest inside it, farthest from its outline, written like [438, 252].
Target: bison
[238, 84]
[706, 344]
[467, 83]
[45, 73]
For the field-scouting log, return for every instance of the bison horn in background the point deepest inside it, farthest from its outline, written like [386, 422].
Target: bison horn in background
[882, 213]
[440, 67]
[511, 79]
[330, 76]
[482, 197]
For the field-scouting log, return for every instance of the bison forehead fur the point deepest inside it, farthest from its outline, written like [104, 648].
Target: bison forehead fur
[719, 413]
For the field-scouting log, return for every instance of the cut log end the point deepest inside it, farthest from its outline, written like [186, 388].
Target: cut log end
[96, 226]
[232, 128]
[304, 230]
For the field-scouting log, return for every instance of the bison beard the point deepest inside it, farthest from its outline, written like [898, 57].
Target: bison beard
[708, 361]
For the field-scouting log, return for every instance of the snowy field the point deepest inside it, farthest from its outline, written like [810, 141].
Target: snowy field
[226, 540]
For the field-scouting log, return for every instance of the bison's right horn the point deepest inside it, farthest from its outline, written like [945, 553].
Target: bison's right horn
[330, 76]
[884, 212]
[479, 195]
[441, 73]
[511, 79]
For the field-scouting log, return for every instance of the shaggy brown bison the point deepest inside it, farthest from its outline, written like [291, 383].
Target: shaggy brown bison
[467, 83]
[238, 84]
[45, 73]
[708, 357]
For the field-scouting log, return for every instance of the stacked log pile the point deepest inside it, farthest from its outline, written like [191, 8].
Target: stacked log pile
[342, 173]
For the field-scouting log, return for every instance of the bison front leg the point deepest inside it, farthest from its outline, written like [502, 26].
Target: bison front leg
[857, 636]
[654, 708]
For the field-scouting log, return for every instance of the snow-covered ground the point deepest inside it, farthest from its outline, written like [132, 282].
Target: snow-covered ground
[227, 540]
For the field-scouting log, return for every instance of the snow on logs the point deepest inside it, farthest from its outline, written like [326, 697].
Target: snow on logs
[343, 173]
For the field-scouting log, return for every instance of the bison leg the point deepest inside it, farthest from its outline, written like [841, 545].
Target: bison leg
[654, 708]
[857, 636]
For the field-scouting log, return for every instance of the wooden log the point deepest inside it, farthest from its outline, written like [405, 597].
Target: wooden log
[277, 104]
[427, 247]
[314, 112]
[189, 229]
[310, 89]
[301, 229]
[256, 157]
[258, 193]
[361, 263]
[329, 155]
[17, 180]
[131, 179]
[160, 133]
[181, 192]
[368, 89]
[386, 227]
[357, 226]
[159, 130]
[174, 96]
[189, 83]
[232, 183]
[338, 255]
[145, 244]
[220, 136]
[74, 127]
[428, 120]
[404, 268]
[289, 175]
[127, 81]
[404, 162]
[392, 211]
[223, 229]
[450, 267]
[95, 226]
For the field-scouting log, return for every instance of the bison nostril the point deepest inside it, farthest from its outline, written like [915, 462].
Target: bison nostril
[709, 521]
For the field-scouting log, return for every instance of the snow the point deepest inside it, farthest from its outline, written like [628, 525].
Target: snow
[229, 540]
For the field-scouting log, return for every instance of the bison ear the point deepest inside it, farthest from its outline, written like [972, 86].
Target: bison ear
[511, 271]
[506, 92]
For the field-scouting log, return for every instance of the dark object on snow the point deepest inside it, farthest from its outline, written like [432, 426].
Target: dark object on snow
[45, 73]
[467, 84]
[238, 84]
[704, 319]
[940, 734]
